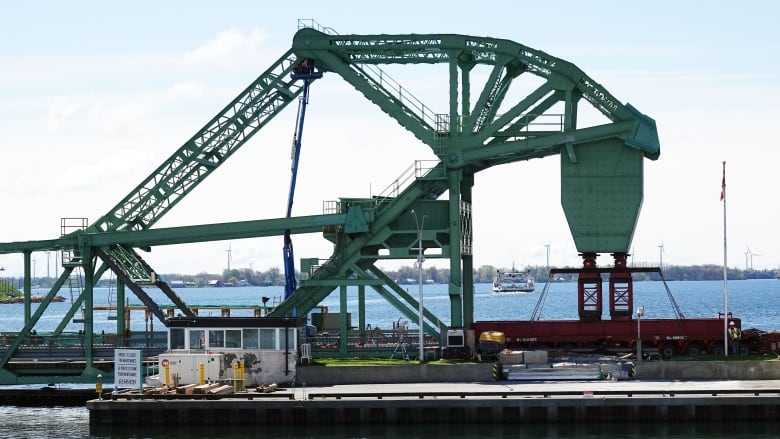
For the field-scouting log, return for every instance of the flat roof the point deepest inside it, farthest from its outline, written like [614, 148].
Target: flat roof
[236, 322]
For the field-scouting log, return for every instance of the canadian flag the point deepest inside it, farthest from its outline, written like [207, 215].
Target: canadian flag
[723, 184]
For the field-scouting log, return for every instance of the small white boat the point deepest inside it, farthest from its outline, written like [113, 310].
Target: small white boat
[513, 282]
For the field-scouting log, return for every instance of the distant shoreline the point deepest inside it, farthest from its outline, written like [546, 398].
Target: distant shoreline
[33, 299]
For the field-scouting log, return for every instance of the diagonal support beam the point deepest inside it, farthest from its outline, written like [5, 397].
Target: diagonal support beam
[122, 276]
[25, 332]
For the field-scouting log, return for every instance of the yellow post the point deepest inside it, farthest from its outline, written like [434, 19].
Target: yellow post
[167, 368]
[202, 373]
[235, 376]
[99, 386]
[241, 371]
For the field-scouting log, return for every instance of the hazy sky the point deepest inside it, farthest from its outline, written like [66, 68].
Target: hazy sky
[95, 95]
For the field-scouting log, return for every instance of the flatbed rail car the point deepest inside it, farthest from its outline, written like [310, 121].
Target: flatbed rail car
[619, 332]
[667, 337]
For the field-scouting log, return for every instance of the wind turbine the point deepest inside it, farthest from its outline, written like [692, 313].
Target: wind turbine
[751, 254]
[661, 256]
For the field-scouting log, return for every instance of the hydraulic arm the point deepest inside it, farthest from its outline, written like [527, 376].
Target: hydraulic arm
[306, 72]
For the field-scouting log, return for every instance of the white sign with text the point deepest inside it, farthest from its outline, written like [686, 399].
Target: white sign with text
[127, 368]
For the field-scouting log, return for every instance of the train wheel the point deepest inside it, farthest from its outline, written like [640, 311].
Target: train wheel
[668, 351]
[717, 350]
[694, 350]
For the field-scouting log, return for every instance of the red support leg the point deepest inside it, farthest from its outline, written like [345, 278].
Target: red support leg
[589, 289]
[621, 290]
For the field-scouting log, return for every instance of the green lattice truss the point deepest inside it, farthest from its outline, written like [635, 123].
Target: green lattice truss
[601, 171]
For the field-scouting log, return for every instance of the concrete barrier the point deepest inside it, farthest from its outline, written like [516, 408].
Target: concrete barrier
[708, 370]
[479, 372]
[410, 373]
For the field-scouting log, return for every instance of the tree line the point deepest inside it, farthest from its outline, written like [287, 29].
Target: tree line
[410, 275]
[483, 274]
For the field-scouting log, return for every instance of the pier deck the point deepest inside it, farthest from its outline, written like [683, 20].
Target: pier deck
[492, 402]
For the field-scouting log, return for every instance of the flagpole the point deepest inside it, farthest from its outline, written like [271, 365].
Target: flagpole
[725, 270]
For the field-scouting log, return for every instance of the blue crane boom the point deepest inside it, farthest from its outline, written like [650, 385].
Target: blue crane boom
[303, 71]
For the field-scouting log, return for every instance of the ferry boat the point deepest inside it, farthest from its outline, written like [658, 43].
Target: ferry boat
[513, 282]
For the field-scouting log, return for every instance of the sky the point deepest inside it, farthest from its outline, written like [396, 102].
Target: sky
[95, 95]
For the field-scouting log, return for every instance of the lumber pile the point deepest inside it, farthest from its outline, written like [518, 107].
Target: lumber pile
[224, 389]
[267, 388]
[187, 389]
[203, 389]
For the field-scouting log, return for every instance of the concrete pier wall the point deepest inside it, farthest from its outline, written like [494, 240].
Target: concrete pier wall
[465, 373]
[708, 370]
[411, 373]
[561, 410]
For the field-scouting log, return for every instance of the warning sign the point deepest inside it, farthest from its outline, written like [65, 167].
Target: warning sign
[127, 368]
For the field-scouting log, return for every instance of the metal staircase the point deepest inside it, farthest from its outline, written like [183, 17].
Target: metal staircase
[421, 181]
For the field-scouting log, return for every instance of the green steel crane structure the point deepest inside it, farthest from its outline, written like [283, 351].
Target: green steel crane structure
[601, 177]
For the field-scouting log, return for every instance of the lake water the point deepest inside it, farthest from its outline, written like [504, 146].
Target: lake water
[755, 301]
[69, 422]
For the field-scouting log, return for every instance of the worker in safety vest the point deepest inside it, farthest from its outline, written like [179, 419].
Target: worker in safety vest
[735, 336]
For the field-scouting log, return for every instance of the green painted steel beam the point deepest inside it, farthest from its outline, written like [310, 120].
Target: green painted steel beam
[333, 283]
[209, 148]
[64, 243]
[539, 147]
[28, 327]
[358, 220]
[349, 54]
[219, 232]
[351, 254]
[153, 307]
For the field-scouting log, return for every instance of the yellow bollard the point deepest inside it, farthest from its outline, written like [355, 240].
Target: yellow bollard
[167, 368]
[202, 373]
[241, 372]
[235, 376]
[99, 386]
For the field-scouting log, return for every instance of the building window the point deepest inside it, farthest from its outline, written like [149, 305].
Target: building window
[216, 338]
[290, 338]
[197, 339]
[250, 339]
[233, 338]
[177, 338]
[268, 339]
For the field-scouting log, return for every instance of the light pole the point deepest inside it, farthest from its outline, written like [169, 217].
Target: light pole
[640, 311]
[420, 225]
[2, 280]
